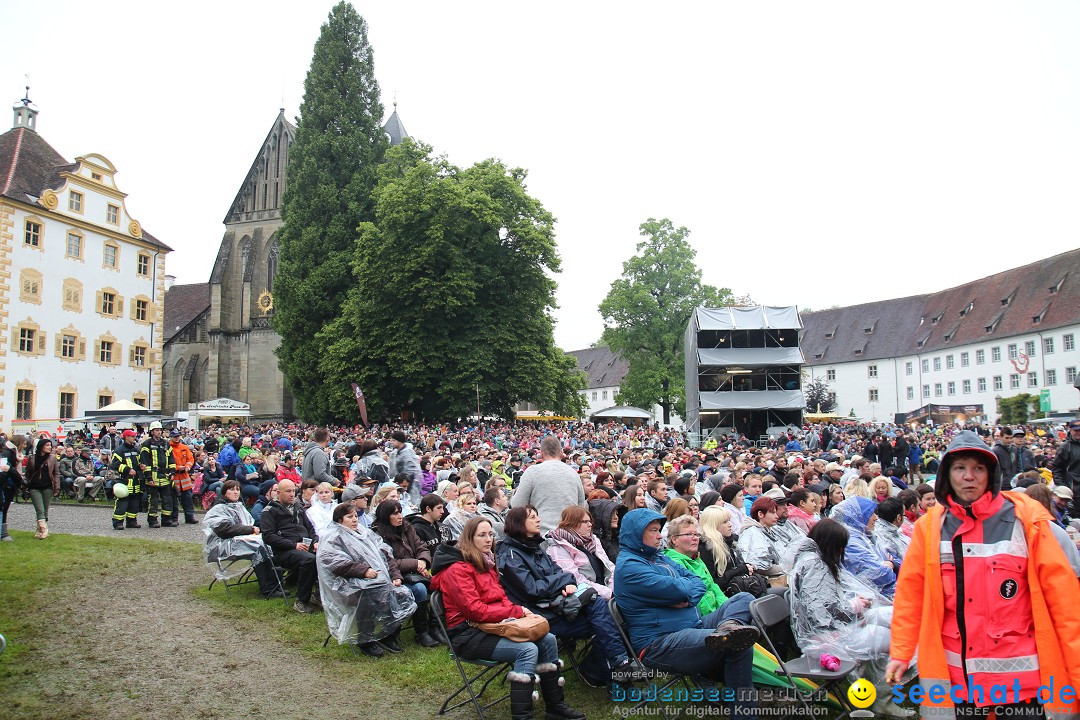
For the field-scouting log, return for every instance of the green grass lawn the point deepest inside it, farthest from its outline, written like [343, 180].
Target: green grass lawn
[61, 599]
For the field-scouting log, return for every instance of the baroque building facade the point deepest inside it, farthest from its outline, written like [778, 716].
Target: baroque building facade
[82, 285]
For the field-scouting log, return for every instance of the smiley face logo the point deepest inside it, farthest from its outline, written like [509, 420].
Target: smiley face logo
[862, 693]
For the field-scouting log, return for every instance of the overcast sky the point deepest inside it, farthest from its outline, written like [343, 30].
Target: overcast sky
[824, 153]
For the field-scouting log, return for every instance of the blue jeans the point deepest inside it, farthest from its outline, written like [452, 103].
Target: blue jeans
[525, 655]
[214, 487]
[684, 651]
[596, 622]
[419, 592]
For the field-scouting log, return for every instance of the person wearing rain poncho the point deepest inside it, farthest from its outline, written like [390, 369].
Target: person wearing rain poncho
[759, 544]
[834, 612]
[360, 584]
[231, 534]
[862, 557]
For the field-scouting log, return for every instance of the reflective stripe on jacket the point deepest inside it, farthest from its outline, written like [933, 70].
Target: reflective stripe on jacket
[1053, 591]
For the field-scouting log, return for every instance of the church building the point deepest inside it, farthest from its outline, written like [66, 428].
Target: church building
[218, 338]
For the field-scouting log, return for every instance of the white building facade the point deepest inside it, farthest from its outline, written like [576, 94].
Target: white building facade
[964, 348]
[81, 289]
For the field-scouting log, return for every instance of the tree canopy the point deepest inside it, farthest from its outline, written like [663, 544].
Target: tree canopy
[646, 311]
[450, 297]
[332, 172]
[818, 399]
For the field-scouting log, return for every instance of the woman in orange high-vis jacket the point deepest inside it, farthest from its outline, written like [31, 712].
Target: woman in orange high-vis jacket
[987, 597]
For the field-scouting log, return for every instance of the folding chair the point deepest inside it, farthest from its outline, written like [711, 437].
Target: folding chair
[769, 611]
[671, 681]
[575, 652]
[491, 670]
[248, 575]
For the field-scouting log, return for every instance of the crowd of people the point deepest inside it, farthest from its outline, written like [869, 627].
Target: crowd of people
[552, 520]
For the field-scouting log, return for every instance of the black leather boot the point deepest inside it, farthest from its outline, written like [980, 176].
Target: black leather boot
[521, 700]
[555, 707]
[421, 626]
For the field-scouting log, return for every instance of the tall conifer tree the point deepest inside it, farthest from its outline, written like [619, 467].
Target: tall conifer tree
[331, 175]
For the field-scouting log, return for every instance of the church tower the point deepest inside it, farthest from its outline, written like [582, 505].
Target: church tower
[242, 364]
[219, 343]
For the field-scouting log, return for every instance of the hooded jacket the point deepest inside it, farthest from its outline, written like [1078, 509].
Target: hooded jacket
[862, 558]
[648, 584]
[529, 576]
[470, 595]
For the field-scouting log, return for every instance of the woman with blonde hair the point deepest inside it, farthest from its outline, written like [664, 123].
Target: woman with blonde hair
[857, 487]
[467, 476]
[718, 549]
[386, 492]
[880, 489]
[460, 512]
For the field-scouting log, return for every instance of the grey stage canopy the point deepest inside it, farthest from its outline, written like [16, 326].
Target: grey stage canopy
[746, 318]
[750, 357]
[753, 400]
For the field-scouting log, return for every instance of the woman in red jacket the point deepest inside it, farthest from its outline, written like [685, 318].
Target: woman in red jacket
[469, 583]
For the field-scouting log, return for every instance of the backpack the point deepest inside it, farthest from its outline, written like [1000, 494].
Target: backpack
[208, 499]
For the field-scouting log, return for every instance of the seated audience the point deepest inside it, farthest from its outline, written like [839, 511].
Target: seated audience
[231, 534]
[532, 579]
[577, 550]
[321, 511]
[658, 599]
[426, 523]
[466, 576]
[720, 553]
[684, 540]
[288, 532]
[886, 532]
[413, 561]
[862, 558]
[834, 612]
[361, 586]
[461, 511]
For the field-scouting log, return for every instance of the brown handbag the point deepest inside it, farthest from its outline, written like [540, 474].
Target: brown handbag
[524, 629]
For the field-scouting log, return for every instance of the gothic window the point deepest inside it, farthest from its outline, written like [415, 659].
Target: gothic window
[271, 268]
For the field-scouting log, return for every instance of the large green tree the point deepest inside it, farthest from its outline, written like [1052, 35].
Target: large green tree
[646, 311]
[451, 297]
[331, 175]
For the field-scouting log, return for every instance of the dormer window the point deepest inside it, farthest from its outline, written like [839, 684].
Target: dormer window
[937, 318]
[870, 328]
[1036, 319]
[969, 308]
[1057, 285]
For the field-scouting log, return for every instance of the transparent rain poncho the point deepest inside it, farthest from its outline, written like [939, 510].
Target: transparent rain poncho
[827, 614]
[862, 557]
[359, 610]
[220, 553]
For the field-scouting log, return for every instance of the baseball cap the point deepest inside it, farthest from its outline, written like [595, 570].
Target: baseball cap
[777, 494]
[834, 466]
[354, 491]
[129, 434]
[1063, 492]
[174, 433]
[1074, 425]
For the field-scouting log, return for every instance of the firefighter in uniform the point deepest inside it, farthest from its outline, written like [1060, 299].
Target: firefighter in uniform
[158, 467]
[125, 463]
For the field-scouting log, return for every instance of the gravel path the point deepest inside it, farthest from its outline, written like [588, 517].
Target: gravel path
[96, 519]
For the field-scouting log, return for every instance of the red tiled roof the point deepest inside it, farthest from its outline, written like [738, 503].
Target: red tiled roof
[999, 306]
[29, 166]
[183, 304]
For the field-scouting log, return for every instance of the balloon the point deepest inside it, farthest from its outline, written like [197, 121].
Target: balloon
[120, 490]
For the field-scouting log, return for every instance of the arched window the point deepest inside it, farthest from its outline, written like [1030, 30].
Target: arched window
[271, 267]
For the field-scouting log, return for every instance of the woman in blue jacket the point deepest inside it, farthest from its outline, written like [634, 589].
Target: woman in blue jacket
[659, 599]
[532, 579]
